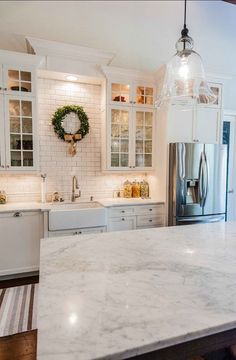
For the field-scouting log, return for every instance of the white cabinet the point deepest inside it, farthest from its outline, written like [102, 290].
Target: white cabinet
[180, 124]
[20, 234]
[121, 91]
[92, 230]
[134, 217]
[122, 223]
[129, 121]
[18, 125]
[130, 138]
[207, 125]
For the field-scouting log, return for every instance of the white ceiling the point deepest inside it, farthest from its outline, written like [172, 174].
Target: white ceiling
[142, 34]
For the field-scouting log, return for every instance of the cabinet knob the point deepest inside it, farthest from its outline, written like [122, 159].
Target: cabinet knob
[2, 166]
[150, 209]
[17, 214]
[195, 140]
[150, 220]
[123, 219]
[123, 211]
[7, 166]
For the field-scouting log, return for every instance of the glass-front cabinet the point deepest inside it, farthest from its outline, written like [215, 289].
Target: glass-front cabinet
[130, 138]
[121, 92]
[17, 120]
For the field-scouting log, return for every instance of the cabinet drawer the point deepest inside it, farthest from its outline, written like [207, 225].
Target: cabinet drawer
[146, 221]
[121, 211]
[149, 210]
[122, 223]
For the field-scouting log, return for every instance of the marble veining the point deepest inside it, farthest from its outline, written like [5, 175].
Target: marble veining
[115, 295]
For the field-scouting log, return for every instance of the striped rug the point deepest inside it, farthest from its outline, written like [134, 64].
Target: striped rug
[18, 309]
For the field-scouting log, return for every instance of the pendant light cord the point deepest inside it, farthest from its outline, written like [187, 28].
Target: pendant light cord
[184, 32]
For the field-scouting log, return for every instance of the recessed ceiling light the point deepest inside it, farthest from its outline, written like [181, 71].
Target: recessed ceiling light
[71, 78]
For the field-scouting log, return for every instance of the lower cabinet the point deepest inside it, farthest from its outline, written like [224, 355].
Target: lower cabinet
[135, 217]
[20, 234]
[92, 230]
[122, 223]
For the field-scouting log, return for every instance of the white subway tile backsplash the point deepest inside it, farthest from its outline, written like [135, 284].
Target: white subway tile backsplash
[54, 159]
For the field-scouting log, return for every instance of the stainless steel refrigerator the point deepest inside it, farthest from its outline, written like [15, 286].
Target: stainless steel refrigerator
[197, 183]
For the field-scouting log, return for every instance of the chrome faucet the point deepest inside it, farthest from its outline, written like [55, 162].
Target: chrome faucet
[75, 186]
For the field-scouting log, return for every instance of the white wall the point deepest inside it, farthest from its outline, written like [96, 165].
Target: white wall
[54, 159]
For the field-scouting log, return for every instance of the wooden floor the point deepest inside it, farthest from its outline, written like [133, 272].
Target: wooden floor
[19, 347]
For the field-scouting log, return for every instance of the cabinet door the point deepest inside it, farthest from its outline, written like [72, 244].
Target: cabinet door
[144, 94]
[207, 125]
[119, 138]
[19, 242]
[2, 135]
[143, 142]
[180, 124]
[18, 80]
[20, 133]
[122, 223]
[119, 92]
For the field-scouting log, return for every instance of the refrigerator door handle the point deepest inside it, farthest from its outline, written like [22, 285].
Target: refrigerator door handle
[201, 181]
[210, 219]
[205, 178]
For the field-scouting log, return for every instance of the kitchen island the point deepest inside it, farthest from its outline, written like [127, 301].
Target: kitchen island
[169, 292]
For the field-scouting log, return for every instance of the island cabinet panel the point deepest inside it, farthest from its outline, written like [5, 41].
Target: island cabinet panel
[19, 241]
[135, 217]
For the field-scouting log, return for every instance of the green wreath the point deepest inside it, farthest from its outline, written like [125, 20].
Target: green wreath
[59, 116]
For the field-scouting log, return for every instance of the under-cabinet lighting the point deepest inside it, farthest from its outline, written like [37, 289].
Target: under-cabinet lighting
[71, 78]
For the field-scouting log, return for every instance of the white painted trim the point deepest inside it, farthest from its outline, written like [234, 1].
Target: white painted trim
[112, 71]
[81, 53]
[229, 112]
[61, 76]
[15, 58]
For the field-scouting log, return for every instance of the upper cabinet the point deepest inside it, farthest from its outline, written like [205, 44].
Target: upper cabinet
[18, 116]
[201, 124]
[129, 123]
[138, 93]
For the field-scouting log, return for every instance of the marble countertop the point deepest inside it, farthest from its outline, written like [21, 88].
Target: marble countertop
[111, 297]
[29, 206]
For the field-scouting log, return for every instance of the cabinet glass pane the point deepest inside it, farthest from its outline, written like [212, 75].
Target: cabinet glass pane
[27, 125]
[26, 108]
[143, 142]
[119, 138]
[124, 160]
[21, 136]
[120, 92]
[15, 142]
[14, 107]
[27, 158]
[14, 124]
[144, 95]
[15, 158]
[27, 142]
[19, 80]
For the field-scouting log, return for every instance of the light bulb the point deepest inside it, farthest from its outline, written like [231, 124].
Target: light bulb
[184, 69]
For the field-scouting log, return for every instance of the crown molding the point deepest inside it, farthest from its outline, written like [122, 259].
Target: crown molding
[112, 71]
[74, 52]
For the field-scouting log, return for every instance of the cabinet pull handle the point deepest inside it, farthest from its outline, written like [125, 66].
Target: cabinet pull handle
[150, 209]
[123, 219]
[80, 232]
[150, 220]
[17, 214]
[7, 166]
[123, 211]
[2, 166]
[5, 89]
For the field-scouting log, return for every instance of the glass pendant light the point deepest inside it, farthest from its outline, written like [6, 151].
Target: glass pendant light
[185, 80]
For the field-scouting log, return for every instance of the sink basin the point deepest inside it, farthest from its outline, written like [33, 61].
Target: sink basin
[76, 215]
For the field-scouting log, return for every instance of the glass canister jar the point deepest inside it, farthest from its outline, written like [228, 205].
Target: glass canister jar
[127, 189]
[136, 189]
[144, 189]
[3, 197]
